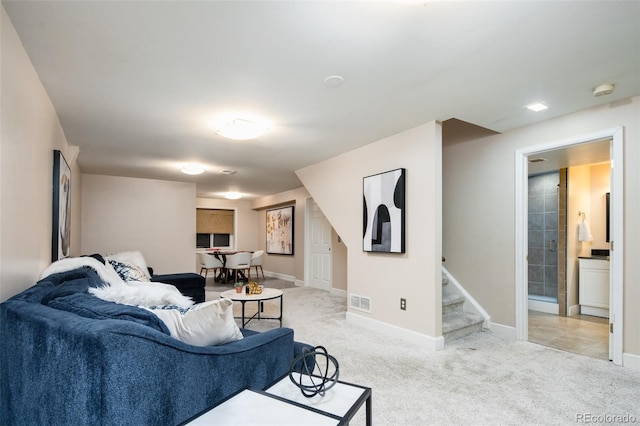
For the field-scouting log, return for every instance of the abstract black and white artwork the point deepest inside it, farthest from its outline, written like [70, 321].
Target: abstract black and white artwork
[61, 227]
[383, 212]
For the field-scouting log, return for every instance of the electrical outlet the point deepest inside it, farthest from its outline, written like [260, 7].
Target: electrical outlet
[403, 304]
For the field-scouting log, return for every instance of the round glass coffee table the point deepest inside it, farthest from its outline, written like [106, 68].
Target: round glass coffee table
[267, 294]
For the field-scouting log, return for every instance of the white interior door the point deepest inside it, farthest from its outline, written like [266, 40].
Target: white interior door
[320, 249]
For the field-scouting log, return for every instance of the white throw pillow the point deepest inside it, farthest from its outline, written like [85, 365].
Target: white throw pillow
[205, 324]
[132, 258]
[143, 294]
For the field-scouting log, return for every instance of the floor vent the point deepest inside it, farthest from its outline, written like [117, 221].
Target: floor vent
[360, 303]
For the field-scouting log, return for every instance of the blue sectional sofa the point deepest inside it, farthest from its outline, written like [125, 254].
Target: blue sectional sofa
[68, 357]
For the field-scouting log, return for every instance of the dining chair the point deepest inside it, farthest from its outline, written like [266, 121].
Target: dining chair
[256, 261]
[240, 261]
[208, 262]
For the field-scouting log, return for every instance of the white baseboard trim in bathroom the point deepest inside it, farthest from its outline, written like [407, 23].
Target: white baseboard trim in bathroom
[428, 342]
[573, 310]
[545, 307]
[631, 361]
[504, 331]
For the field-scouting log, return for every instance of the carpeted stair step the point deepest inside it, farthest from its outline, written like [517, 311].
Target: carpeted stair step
[459, 324]
[451, 301]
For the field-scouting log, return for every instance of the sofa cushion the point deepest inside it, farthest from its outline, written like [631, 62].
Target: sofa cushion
[206, 324]
[89, 306]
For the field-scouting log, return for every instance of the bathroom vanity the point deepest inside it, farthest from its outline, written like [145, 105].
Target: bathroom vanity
[594, 286]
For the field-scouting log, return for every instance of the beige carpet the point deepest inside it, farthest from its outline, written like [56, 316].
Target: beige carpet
[478, 380]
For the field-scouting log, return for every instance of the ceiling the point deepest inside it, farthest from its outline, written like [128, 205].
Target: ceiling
[138, 84]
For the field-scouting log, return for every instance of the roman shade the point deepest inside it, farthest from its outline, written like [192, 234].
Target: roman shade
[214, 221]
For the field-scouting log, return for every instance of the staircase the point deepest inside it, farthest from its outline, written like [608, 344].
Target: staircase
[456, 323]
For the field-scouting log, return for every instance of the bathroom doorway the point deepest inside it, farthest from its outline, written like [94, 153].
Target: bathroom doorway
[565, 330]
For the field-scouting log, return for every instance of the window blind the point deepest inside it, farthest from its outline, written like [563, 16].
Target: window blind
[214, 221]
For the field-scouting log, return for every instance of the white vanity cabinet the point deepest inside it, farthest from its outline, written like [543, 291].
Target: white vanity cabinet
[594, 287]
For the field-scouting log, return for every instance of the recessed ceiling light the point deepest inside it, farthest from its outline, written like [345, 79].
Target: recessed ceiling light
[227, 172]
[536, 107]
[232, 195]
[241, 129]
[192, 169]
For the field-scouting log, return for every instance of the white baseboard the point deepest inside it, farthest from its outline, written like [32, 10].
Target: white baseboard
[338, 292]
[428, 342]
[573, 310]
[280, 276]
[631, 361]
[545, 307]
[504, 331]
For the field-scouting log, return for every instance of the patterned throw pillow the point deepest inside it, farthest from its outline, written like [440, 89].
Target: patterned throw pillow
[128, 272]
[205, 324]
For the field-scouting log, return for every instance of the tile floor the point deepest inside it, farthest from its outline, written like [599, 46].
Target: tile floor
[581, 334]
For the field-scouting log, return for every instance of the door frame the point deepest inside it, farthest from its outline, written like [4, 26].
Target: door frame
[308, 215]
[616, 135]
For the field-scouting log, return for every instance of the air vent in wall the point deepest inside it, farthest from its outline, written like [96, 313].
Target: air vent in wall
[360, 303]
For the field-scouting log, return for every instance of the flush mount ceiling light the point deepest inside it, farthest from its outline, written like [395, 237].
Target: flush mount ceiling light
[536, 107]
[241, 129]
[603, 89]
[192, 169]
[334, 80]
[232, 195]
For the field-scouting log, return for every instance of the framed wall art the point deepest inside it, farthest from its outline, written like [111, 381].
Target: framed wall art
[61, 229]
[280, 230]
[383, 212]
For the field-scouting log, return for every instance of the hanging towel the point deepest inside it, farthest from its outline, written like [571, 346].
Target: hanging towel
[584, 233]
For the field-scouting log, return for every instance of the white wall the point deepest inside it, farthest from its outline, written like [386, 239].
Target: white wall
[155, 217]
[29, 132]
[336, 186]
[578, 193]
[479, 209]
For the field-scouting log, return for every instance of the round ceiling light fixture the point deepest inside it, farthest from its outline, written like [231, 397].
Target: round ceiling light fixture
[192, 169]
[242, 129]
[603, 89]
[232, 195]
[334, 80]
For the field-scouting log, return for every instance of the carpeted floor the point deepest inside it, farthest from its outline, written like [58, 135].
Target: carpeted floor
[479, 380]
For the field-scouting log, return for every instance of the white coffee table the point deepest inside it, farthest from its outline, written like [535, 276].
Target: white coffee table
[250, 407]
[283, 404]
[267, 294]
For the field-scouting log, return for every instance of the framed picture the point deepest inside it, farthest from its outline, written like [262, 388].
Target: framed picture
[280, 230]
[61, 228]
[383, 212]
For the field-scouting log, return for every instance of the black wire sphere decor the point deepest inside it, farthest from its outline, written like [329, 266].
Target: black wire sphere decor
[317, 371]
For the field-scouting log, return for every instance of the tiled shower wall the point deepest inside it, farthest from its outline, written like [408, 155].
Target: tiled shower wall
[543, 235]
